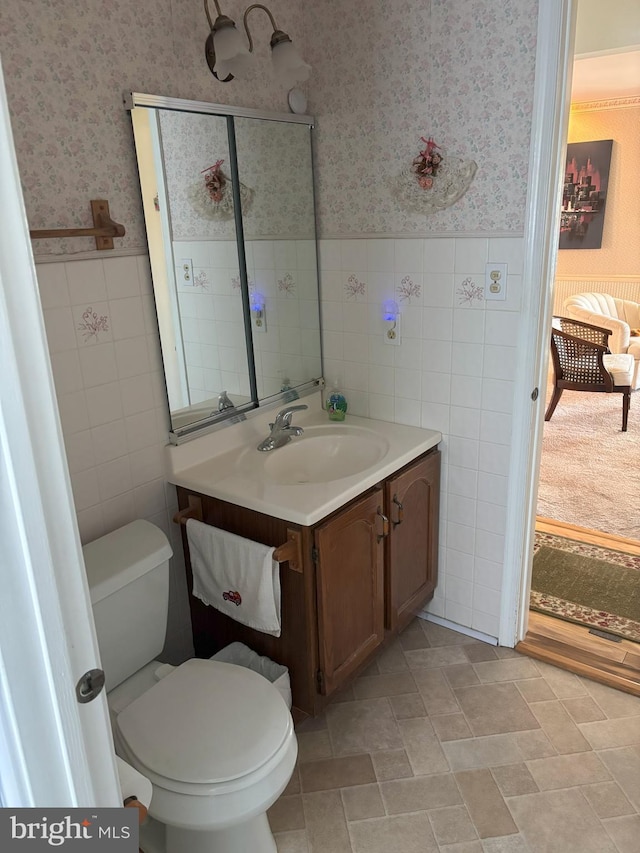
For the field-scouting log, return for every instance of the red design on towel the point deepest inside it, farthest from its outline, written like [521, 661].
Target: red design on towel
[234, 596]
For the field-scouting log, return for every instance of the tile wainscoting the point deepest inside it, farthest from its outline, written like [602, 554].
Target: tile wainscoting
[454, 371]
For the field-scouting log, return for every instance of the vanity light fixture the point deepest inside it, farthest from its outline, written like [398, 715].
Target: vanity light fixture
[228, 57]
[391, 317]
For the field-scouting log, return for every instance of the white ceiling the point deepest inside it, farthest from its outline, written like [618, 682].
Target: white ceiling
[614, 75]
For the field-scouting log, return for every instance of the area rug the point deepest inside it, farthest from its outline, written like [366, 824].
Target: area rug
[587, 584]
[590, 469]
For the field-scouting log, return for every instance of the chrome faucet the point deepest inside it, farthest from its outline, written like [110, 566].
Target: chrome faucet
[224, 402]
[281, 429]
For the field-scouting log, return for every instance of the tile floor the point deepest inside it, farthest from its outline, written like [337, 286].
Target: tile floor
[447, 744]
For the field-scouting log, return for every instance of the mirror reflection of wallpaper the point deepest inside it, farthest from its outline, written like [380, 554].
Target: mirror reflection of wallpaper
[274, 162]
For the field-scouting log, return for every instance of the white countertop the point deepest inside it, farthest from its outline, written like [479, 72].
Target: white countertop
[221, 464]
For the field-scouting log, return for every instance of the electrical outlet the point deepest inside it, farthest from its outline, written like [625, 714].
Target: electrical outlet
[186, 271]
[495, 281]
[392, 331]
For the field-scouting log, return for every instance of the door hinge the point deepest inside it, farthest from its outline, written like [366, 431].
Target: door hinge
[320, 680]
[534, 394]
[314, 554]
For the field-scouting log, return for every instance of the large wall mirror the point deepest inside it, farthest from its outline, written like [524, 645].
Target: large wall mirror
[229, 210]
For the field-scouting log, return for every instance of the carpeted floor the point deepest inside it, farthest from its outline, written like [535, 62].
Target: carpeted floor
[587, 584]
[590, 469]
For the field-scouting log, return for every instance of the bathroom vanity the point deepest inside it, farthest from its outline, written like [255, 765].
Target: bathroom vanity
[366, 544]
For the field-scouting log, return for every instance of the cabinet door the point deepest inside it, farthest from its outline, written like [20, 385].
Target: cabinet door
[412, 499]
[350, 589]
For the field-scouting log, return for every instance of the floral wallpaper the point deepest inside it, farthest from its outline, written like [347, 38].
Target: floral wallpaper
[274, 162]
[66, 65]
[460, 71]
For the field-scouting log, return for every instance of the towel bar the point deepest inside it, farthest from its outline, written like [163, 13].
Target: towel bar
[290, 551]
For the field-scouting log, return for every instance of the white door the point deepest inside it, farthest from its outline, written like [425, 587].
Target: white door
[53, 750]
[554, 64]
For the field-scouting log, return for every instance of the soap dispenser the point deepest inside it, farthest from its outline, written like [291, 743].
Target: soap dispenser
[336, 404]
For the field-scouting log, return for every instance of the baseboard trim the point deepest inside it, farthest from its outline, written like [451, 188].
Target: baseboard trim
[460, 629]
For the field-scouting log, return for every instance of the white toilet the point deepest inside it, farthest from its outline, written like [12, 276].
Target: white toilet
[216, 740]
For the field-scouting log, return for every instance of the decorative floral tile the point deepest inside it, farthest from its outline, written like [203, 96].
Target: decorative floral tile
[469, 293]
[92, 324]
[408, 290]
[355, 288]
[286, 285]
[201, 280]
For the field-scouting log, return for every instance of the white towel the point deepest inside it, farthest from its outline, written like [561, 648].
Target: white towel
[238, 577]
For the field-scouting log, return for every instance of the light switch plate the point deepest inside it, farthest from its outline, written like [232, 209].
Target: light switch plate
[495, 281]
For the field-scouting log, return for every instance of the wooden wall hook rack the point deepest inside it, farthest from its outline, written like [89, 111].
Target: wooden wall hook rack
[104, 230]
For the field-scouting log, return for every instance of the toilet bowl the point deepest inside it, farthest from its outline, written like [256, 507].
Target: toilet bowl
[216, 740]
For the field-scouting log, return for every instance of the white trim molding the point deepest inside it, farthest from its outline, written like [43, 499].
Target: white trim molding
[609, 104]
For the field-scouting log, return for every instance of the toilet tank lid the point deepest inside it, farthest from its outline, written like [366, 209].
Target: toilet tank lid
[120, 557]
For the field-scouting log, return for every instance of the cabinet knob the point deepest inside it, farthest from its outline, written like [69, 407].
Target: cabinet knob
[385, 525]
[400, 518]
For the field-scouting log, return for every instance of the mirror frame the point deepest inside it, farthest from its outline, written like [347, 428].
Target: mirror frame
[178, 435]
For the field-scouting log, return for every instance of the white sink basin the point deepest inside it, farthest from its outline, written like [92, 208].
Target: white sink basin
[323, 454]
[307, 479]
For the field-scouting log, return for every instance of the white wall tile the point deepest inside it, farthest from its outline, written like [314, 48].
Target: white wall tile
[460, 564]
[408, 256]
[486, 623]
[437, 324]
[500, 362]
[435, 416]
[438, 290]
[457, 613]
[79, 447]
[381, 256]
[109, 441]
[489, 546]
[502, 328]
[464, 423]
[497, 395]
[127, 318]
[466, 359]
[461, 509]
[507, 250]
[98, 364]
[114, 478]
[439, 255]
[461, 537]
[471, 255]
[491, 517]
[466, 391]
[86, 282]
[436, 356]
[492, 488]
[104, 403]
[408, 354]
[494, 458]
[66, 370]
[74, 415]
[495, 427]
[122, 277]
[462, 481]
[488, 573]
[60, 328]
[85, 488]
[52, 284]
[463, 452]
[407, 411]
[468, 326]
[436, 387]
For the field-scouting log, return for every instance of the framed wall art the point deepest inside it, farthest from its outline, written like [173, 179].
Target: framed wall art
[584, 194]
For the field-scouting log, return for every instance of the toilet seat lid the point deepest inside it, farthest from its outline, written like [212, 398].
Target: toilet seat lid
[206, 722]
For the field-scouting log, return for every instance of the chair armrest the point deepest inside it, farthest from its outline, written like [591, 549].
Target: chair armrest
[620, 332]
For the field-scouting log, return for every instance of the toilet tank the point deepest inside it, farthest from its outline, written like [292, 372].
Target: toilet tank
[128, 574]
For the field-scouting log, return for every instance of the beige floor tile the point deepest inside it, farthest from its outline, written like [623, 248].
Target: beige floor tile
[419, 793]
[312, 724]
[534, 745]
[451, 727]
[614, 703]
[408, 706]
[495, 709]
[465, 847]
[485, 803]
[361, 802]
[326, 823]
[452, 825]
[313, 746]
[436, 693]
[583, 709]
[625, 832]
[345, 694]
[476, 652]
[286, 814]
[462, 675]
[292, 842]
[435, 657]
[559, 727]
[438, 635]
[565, 771]
[365, 725]
[372, 669]
[559, 821]
[392, 659]
[391, 764]
[507, 844]
[607, 799]
[564, 684]
[422, 747]
[413, 637]
[624, 766]
[606, 734]
[480, 752]
[337, 773]
[409, 834]
[510, 669]
[514, 780]
[535, 690]
[389, 684]
[506, 652]
[294, 784]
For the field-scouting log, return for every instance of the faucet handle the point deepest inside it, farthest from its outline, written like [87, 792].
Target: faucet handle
[283, 418]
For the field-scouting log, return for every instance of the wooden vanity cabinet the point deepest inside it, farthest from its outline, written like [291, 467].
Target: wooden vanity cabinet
[362, 578]
[412, 499]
